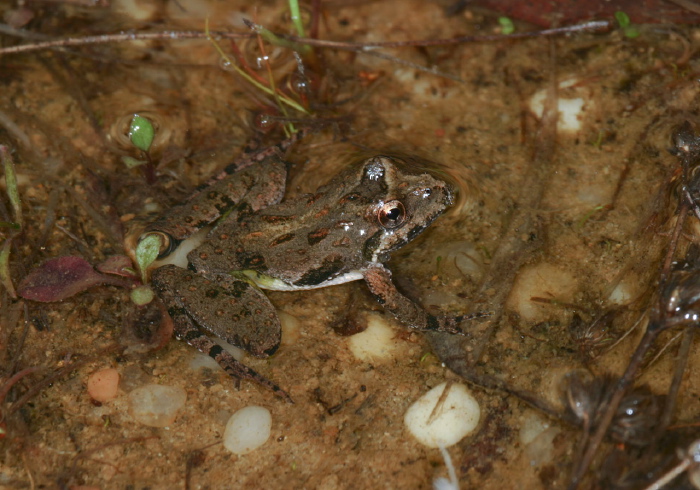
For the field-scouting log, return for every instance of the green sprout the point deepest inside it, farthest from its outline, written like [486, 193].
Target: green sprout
[141, 133]
[599, 140]
[626, 25]
[147, 252]
[282, 98]
[16, 203]
[296, 17]
[507, 26]
[588, 216]
[5, 276]
[12, 188]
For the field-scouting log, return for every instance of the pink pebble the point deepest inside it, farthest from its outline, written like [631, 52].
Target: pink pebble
[102, 386]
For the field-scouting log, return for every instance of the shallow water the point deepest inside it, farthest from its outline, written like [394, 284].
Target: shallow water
[580, 219]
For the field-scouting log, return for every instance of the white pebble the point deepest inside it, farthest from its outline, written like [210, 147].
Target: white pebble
[156, 405]
[375, 342]
[247, 429]
[546, 281]
[456, 418]
[570, 109]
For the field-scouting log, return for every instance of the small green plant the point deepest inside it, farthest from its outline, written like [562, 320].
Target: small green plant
[507, 26]
[16, 225]
[147, 252]
[626, 25]
[141, 134]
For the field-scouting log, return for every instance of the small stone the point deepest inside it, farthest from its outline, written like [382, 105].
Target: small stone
[375, 342]
[456, 417]
[247, 429]
[156, 405]
[102, 386]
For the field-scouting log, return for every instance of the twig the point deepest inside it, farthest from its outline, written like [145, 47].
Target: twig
[593, 26]
[119, 38]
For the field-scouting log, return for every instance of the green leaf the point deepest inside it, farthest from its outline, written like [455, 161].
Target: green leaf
[5, 277]
[623, 19]
[141, 132]
[507, 26]
[147, 252]
[296, 17]
[132, 162]
[631, 32]
[11, 183]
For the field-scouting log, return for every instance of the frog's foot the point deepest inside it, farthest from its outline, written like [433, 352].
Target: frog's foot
[234, 368]
[230, 308]
[187, 331]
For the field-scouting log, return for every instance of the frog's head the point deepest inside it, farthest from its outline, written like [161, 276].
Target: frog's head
[405, 203]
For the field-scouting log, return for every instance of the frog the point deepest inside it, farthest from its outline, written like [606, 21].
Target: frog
[344, 231]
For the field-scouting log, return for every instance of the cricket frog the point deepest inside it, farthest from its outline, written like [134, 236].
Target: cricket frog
[343, 232]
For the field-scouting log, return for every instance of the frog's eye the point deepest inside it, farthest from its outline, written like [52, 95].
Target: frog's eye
[166, 245]
[391, 214]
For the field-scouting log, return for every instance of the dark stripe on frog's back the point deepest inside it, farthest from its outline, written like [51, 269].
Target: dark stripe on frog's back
[282, 239]
[317, 235]
[331, 266]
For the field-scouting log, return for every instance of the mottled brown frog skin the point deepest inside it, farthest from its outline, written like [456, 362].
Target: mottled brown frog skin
[342, 232]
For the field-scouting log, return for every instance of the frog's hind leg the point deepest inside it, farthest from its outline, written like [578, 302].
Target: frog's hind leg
[169, 281]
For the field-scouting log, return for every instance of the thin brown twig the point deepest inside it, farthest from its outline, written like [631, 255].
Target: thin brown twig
[118, 38]
[593, 26]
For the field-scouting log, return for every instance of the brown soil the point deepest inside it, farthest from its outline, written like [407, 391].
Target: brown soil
[603, 219]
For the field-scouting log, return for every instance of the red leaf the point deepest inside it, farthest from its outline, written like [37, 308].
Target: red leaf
[119, 265]
[62, 277]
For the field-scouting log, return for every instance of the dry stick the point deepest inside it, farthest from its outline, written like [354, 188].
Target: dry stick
[681, 363]
[117, 38]
[594, 26]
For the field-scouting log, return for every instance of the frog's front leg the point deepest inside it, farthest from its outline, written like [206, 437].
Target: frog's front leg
[251, 189]
[230, 308]
[378, 279]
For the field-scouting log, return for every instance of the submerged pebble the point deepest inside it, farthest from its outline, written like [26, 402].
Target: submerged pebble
[456, 417]
[545, 281]
[247, 429]
[571, 110]
[103, 385]
[375, 342]
[156, 405]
